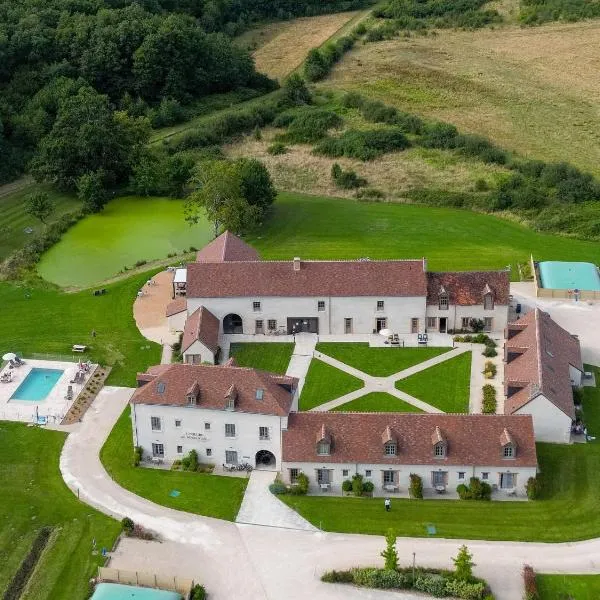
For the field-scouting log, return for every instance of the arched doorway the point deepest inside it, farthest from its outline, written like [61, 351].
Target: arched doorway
[232, 323]
[265, 460]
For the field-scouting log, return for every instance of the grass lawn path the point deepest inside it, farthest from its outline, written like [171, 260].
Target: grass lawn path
[268, 356]
[378, 362]
[203, 494]
[445, 385]
[324, 383]
[377, 402]
[33, 496]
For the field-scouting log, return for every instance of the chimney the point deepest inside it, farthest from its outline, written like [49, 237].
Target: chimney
[424, 265]
[296, 263]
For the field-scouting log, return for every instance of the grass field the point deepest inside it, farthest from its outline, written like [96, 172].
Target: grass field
[394, 174]
[379, 362]
[302, 226]
[209, 495]
[50, 321]
[13, 218]
[129, 229]
[568, 587]
[268, 356]
[33, 496]
[377, 402]
[445, 386]
[534, 90]
[281, 47]
[324, 383]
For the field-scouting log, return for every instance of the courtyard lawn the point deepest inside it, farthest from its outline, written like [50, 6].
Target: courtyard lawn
[268, 356]
[591, 415]
[379, 362]
[567, 509]
[216, 496]
[128, 230]
[572, 587]
[451, 239]
[324, 383]
[43, 320]
[445, 385]
[33, 496]
[377, 402]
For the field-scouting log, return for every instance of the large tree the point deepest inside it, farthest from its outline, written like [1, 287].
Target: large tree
[40, 206]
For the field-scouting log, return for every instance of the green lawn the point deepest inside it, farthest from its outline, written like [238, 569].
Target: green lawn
[129, 229]
[591, 415]
[324, 383]
[379, 362]
[208, 495]
[445, 386]
[377, 402]
[568, 587]
[13, 218]
[268, 356]
[301, 225]
[39, 319]
[33, 496]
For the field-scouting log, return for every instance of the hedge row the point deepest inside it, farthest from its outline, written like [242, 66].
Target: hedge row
[489, 403]
[363, 144]
[531, 590]
[19, 581]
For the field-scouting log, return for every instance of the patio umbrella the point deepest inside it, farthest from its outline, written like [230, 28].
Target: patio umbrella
[385, 332]
[9, 356]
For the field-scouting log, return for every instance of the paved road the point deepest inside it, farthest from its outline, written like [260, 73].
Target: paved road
[250, 562]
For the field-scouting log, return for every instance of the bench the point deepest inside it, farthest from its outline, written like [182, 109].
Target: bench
[79, 348]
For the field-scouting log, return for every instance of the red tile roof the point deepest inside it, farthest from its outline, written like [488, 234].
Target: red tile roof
[176, 306]
[467, 288]
[314, 278]
[203, 326]
[546, 350]
[357, 438]
[215, 383]
[227, 247]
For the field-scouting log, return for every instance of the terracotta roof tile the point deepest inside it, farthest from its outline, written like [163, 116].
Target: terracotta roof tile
[203, 326]
[227, 247]
[314, 278]
[467, 288]
[546, 351]
[215, 383]
[176, 306]
[356, 438]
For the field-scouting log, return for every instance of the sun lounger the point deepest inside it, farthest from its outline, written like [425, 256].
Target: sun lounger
[79, 348]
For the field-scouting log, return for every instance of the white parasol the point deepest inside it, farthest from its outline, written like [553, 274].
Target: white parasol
[9, 356]
[385, 332]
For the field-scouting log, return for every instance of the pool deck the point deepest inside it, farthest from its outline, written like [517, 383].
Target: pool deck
[54, 406]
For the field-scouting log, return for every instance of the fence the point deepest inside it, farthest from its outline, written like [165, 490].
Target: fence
[174, 584]
[55, 357]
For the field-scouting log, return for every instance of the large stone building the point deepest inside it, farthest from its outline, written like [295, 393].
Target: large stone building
[543, 364]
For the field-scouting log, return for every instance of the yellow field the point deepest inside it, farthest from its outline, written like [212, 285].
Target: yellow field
[282, 47]
[534, 90]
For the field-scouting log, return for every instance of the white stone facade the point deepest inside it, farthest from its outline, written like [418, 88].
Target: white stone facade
[507, 478]
[550, 424]
[183, 428]
[198, 353]
[403, 315]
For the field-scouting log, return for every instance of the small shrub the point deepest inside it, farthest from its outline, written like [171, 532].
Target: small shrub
[363, 576]
[431, 584]
[347, 486]
[301, 485]
[463, 563]
[357, 484]
[370, 194]
[309, 125]
[277, 148]
[138, 455]
[337, 577]
[278, 488]
[489, 401]
[198, 593]
[346, 180]
[363, 144]
[533, 488]
[465, 589]
[531, 590]
[476, 490]
[368, 487]
[490, 369]
[416, 486]
[127, 525]
[489, 352]
[388, 579]
[390, 554]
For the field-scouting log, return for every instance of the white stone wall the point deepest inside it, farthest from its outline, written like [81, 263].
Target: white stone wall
[550, 424]
[192, 434]
[575, 375]
[362, 310]
[199, 350]
[403, 475]
[455, 314]
[177, 321]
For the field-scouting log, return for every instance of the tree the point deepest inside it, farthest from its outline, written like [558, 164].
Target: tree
[390, 554]
[91, 188]
[463, 564]
[256, 185]
[295, 92]
[40, 206]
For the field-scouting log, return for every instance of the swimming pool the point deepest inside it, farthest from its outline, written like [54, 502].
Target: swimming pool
[117, 591]
[37, 385]
[559, 275]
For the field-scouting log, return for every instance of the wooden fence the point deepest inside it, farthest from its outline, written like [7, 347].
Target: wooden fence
[174, 584]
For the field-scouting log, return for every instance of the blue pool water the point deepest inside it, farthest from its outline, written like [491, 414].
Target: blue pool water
[116, 591]
[37, 385]
[569, 276]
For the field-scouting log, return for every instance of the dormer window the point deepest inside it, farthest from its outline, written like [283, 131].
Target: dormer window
[230, 398]
[191, 399]
[488, 302]
[161, 387]
[509, 451]
[390, 449]
[508, 445]
[443, 301]
[439, 450]
[440, 445]
[323, 448]
[192, 394]
[260, 394]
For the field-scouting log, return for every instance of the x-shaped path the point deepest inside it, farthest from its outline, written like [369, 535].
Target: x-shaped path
[384, 384]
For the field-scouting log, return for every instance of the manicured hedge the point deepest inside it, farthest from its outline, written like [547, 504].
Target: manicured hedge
[489, 402]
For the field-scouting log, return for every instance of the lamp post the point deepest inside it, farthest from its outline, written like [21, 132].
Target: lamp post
[414, 557]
